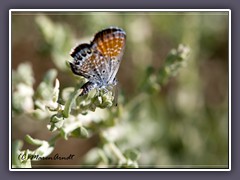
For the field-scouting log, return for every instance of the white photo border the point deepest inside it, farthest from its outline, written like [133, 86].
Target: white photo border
[122, 10]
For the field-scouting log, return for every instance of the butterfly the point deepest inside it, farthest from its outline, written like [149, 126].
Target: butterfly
[99, 60]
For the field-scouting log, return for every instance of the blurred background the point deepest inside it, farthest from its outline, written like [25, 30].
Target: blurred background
[183, 123]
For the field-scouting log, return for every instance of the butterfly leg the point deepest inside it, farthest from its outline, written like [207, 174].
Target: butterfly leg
[105, 90]
[115, 81]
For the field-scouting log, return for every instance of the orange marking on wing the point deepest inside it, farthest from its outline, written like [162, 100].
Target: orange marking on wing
[110, 47]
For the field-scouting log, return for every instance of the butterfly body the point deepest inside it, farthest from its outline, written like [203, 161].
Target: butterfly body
[99, 61]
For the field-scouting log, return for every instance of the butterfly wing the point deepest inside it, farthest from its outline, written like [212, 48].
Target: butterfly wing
[99, 61]
[110, 45]
[84, 63]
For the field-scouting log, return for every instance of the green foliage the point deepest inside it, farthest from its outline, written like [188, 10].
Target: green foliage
[22, 86]
[58, 38]
[16, 161]
[69, 124]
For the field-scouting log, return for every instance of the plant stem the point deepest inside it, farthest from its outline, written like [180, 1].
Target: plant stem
[117, 152]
